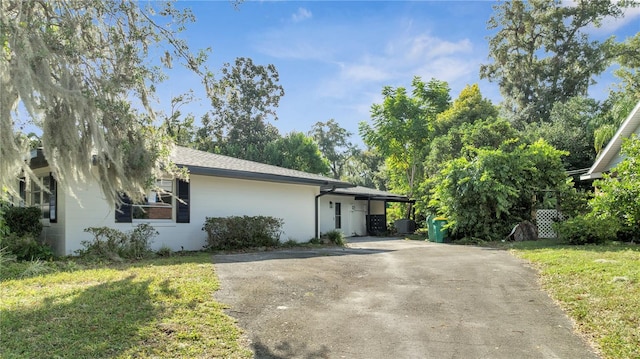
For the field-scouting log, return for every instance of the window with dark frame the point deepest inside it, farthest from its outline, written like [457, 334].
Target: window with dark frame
[158, 205]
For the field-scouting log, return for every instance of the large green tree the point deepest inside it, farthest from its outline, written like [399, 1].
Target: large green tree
[570, 128]
[401, 129]
[484, 195]
[244, 99]
[81, 71]
[469, 124]
[334, 145]
[541, 53]
[366, 168]
[180, 128]
[298, 152]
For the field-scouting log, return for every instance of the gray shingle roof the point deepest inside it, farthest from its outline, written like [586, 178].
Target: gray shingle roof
[205, 163]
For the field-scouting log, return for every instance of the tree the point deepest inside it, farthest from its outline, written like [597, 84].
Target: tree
[542, 55]
[402, 127]
[469, 122]
[366, 168]
[570, 128]
[617, 201]
[243, 100]
[485, 195]
[334, 145]
[469, 107]
[81, 71]
[182, 131]
[298, 152]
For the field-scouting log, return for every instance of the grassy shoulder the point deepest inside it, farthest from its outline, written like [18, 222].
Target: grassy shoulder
[597, 285]
[156, 308]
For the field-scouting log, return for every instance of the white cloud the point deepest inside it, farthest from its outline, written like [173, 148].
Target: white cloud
[399, 60]
[364, 72]
[301, 15]
[610, 24]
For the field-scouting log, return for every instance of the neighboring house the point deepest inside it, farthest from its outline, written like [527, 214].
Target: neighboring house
[219, 186]
[610, 156]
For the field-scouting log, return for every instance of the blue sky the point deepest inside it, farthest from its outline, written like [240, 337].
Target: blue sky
[334, 57]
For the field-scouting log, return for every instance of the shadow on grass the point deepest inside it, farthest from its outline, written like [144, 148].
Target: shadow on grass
[286, 350]
[100, 322]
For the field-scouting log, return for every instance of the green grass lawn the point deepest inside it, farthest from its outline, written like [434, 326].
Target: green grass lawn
[598, 286]
[160, 308]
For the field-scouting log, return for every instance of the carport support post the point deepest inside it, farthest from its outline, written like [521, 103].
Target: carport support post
[317, 211]
[369, 216]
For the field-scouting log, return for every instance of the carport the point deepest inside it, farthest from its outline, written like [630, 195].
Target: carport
[366, 210]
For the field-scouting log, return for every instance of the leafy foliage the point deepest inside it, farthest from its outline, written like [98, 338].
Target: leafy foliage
[541, 53]
[22, 232]
[570, 128]
[26, 247]
[617, 200]
[333, 142]
[237, 232]
[244, 99]
[584, 230]
[298, 152]
[367, 168]
[76, 68]
[115, 245]
[401, 129]
[470, 123]
[23, 220]
[485, 195]
[336, 237]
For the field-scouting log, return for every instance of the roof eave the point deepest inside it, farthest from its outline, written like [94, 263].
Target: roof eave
[591, 176]
[256, 176]
[614, 145]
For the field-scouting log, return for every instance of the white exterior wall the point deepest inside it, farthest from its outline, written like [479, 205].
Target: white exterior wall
[209, 197]
[618, 158]
[353, 215]
[88, 209]
[377, 207]
[222, 197]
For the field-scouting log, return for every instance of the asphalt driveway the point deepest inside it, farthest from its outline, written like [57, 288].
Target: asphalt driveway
[394, 299]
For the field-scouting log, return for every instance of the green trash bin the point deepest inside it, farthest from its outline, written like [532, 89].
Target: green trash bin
[437, 232]
[430, 232]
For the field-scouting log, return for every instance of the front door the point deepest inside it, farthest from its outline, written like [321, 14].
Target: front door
[338, 207]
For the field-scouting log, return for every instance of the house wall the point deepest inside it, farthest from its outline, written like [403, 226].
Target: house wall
[222, 197]
[353, 215]
[618, 158]
[210, 197]
[377, 207]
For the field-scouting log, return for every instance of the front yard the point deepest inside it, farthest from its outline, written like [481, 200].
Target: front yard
[160, 308]
[164, 308]
[598, 286]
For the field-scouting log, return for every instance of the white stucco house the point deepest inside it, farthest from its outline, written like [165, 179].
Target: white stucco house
[610, 156]
[218, 186]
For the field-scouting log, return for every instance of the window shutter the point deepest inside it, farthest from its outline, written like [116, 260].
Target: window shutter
[53, 199]
[182, 207]
[23, 191]
[124, 212]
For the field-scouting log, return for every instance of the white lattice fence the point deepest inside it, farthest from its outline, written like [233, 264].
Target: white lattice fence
[545, 218]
